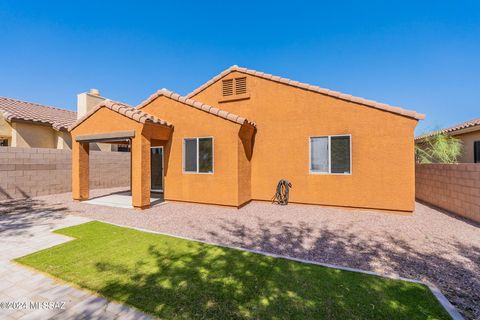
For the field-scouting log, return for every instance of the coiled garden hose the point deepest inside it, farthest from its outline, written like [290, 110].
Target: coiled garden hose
[281, 195]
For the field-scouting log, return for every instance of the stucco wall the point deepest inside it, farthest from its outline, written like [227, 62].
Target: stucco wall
[244, 175]
[28, 172]
[382, 146]
[453, 187]
[64, 140]
[27, 135]
[5, 128]
[468, 139]
[221, 187]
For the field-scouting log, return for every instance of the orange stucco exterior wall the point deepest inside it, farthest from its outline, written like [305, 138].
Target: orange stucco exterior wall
[383, 172]
[226, 184]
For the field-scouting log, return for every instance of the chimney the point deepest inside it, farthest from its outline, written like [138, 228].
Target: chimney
[87, 100]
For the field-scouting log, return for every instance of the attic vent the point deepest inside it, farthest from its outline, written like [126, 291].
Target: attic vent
[240, 85]
[234, 86]
[227, 87]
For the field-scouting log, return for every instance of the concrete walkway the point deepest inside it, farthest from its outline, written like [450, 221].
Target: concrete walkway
[22, 233]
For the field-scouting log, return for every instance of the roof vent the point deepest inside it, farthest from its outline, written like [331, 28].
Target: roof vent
[227, 87]
[241, 85]
[234, 86]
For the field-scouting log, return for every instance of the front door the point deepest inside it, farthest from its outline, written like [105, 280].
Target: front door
[156, 169]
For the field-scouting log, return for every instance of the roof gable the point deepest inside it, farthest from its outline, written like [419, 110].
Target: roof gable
[125, 110]
[316, 89]
[13, 109]
[197, 105]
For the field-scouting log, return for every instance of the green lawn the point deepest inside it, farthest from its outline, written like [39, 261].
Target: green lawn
[180, 279]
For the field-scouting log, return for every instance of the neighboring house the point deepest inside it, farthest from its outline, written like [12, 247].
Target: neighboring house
[469, 133]
[231, 140]
[31, 125]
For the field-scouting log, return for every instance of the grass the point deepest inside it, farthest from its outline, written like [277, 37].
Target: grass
[179, 279]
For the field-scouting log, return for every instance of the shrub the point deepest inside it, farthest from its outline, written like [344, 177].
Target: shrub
[439, 148]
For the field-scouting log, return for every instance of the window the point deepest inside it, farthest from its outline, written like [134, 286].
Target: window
[330, 154]
[198, 155]
[234, 86]
[476, 152]
[3, 142]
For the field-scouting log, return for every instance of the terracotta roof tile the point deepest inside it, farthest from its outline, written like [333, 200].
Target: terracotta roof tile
[305, 86]
[197, 105]
[125, 110]
[464, 125]
[13, 109]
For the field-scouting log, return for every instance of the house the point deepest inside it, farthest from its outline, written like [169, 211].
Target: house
[231, 140]
[31, 125]
[468, 133]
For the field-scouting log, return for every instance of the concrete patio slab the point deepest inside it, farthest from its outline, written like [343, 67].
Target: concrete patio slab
[122, 199]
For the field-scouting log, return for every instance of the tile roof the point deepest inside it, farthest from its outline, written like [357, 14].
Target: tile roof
[465, 125]
[196, 104]
[305, 86]
[125, 110]
[13, 109]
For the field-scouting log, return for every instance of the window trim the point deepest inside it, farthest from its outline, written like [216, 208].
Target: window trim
[198, 155]
[310, 171]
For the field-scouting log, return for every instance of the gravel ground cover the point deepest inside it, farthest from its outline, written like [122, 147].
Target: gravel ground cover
[429, 245]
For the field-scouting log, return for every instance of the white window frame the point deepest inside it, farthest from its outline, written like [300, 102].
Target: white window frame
[329, 154]
[198, 155]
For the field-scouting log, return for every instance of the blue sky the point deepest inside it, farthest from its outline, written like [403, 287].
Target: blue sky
[421, 55]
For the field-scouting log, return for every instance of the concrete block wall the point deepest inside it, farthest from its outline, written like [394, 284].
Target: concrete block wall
[453, 187]
[29, 172]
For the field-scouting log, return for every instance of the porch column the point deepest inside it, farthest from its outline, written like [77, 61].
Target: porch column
[140, 172]
[80, 170]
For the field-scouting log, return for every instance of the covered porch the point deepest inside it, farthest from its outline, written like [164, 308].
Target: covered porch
[112, 122]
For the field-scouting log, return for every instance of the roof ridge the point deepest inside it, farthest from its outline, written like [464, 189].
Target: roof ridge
[306, 86]
[121, 108]
[37, 104]
[197, 105]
